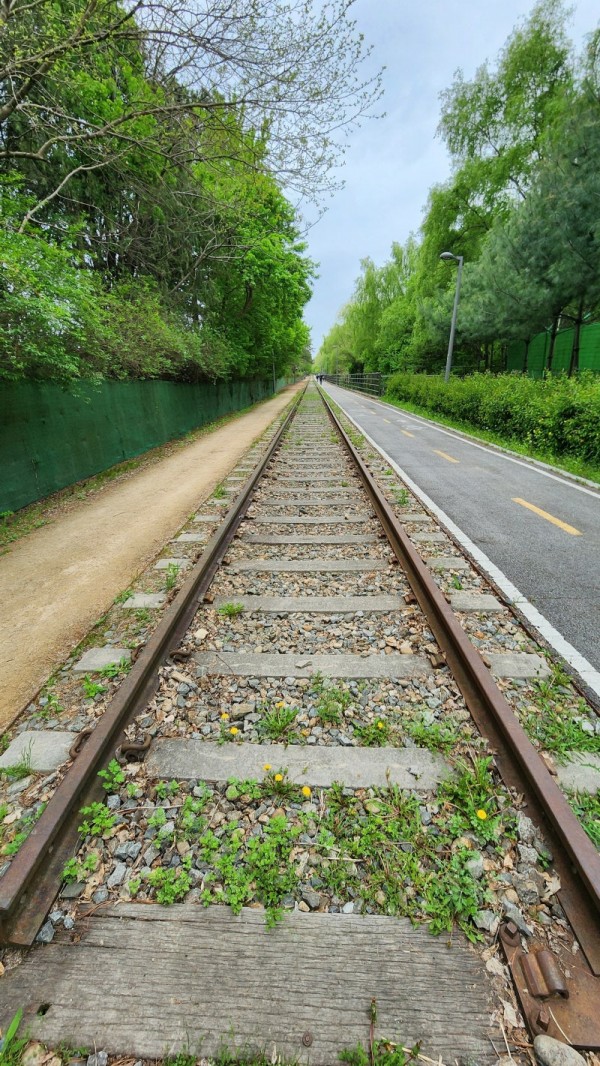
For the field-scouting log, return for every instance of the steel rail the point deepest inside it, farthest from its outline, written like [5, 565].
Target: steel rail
[31, 883]
[575, 857]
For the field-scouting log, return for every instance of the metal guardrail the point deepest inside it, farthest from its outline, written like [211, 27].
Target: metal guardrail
[371, 384]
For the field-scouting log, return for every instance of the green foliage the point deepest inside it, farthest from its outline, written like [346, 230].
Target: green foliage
[171, 884]
[21, 769]
[520, 207]
[166, 788]
[453, 891]
[92, 688]
[12, 1046]
[332, 699]
[276, 721]
[557, 414]
[114, 670]
[230, 610]
[404, 868]
[20, 830]
[587, 809]
[437, 736]
[98, 820]
[374, 735]
[171, 575]
[78, 871]
[181, 1059]
[382, 1053]
[472, 796]
[113, 777]
[144, 231]
[557, 727]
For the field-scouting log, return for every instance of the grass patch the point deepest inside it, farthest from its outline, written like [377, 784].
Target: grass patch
[13, 1045]
[277, 720]
[554, 722]
[436, 736]
[21, 769]
[332, 700]
[587, 809]
[21, 829]
[230, 610]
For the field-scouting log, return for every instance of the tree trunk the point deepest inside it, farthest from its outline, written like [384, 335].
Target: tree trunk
[574, 364]
[552, 342]
[526, 355]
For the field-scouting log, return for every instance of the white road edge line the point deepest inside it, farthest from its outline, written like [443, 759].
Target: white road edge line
[575, 659]
[482, 448]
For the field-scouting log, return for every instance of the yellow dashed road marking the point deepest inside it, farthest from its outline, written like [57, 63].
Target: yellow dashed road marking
[388, 421]
[549, 517]
[444, 455]
[406, 433]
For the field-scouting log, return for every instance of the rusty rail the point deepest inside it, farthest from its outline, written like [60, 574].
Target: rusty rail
[575, 857]
[31, 882]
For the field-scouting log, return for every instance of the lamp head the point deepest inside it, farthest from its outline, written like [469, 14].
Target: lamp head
[448, 255]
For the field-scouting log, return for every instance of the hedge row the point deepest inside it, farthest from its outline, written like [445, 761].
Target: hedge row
[557, 415]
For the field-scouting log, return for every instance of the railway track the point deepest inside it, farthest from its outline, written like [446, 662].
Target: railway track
[310, 737]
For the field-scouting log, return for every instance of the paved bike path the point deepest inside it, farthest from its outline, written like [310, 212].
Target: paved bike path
[540, 529]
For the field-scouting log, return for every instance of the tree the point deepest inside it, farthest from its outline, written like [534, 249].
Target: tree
[542, 262]
[495, 125]
[86, 84]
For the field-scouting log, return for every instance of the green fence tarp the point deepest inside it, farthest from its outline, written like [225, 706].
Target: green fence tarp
[539, 350]
[50, 438]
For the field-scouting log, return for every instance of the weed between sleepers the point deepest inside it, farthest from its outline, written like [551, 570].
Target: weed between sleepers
[367, 845]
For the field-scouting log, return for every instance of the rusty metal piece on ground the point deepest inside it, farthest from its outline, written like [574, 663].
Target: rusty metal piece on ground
[208, 598]
[543, 975]
[179, 656]
[558, 994]
[409, 597]
[133, 748]
[437, 661]
[576, 859]
[81, 736]
[29, 886]
[307, 1039]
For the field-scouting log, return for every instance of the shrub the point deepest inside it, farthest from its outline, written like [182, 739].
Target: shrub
[556, 414]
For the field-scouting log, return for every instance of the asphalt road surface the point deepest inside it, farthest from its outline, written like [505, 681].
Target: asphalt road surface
[539, 529]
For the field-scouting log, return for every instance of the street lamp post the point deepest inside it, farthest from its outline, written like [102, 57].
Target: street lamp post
[460, 260]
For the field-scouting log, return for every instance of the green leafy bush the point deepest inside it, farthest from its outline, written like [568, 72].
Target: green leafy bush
[557, 415]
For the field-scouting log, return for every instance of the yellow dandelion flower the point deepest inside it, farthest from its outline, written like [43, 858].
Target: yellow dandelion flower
[224, 716]
[481, 814]
[267, 766]
[280, 704]
[306, 791]
[234, 730]
[380, 725]
[279, 777]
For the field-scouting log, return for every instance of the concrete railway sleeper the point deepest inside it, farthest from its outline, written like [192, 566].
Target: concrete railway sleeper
[323, 734]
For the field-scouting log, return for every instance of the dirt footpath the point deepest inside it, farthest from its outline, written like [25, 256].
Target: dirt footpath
[57, 581]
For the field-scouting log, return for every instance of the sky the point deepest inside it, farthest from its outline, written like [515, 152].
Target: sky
[392, 162]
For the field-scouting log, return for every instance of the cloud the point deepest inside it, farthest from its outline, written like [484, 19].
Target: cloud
[392, 162]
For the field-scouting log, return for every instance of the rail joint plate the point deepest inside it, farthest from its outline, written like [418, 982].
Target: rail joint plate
[558, 993]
